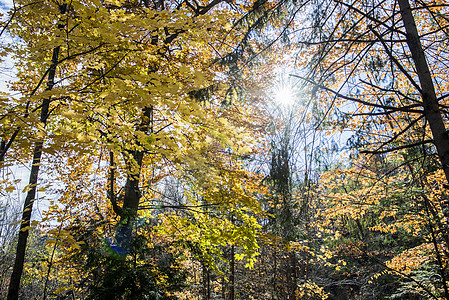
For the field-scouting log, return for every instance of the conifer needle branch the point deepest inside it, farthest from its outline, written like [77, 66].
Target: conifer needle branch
[398, 272]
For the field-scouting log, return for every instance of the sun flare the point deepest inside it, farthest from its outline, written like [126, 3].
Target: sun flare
[284, 96]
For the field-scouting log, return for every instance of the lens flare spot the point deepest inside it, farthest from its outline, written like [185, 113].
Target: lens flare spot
[284, 96]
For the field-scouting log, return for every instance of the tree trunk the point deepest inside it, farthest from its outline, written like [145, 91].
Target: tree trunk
[292, 274]
[14, 284]
[2, 147]
[206, 282]
[428, 95]
[131, 198]
[274, 278]
[132, 192]
[430, 101]
[232, 275]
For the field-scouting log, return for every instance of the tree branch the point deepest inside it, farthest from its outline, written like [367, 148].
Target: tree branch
[396, 148]
[392, 108]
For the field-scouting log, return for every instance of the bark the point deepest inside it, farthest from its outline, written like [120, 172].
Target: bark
[275, 275]
[206, 282]
[6, 145]
[111, 182]
[132, 195]
[293, 274]
[232, 275]
[430, 105]
[223, 287]
[2, 146]
[13, 290]
[14, 285]
[132, 192]
[428, 94]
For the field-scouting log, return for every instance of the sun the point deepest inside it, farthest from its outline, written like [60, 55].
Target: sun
[284, 95]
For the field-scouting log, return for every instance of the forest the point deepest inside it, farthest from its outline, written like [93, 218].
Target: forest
[224, 149]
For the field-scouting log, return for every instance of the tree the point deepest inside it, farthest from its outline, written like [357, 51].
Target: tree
[378, 46]
[381, 67]
[123, 77]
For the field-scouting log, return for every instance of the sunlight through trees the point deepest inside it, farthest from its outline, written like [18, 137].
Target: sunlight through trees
[215, 149]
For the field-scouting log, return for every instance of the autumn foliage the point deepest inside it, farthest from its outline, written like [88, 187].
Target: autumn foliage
[159, 166]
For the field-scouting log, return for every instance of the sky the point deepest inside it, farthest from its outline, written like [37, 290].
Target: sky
[6, 70]
[15, 172]
[5, 4]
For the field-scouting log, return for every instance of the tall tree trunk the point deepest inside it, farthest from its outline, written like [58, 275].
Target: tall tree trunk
[428, 94]
[2, 147]
[111, 183]
[14, 284]
[223, 287]
[292, 274]
[131, 198]
[274, 282]
[132, 192]
[232, 275]
[430, 101]
[206, 282]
